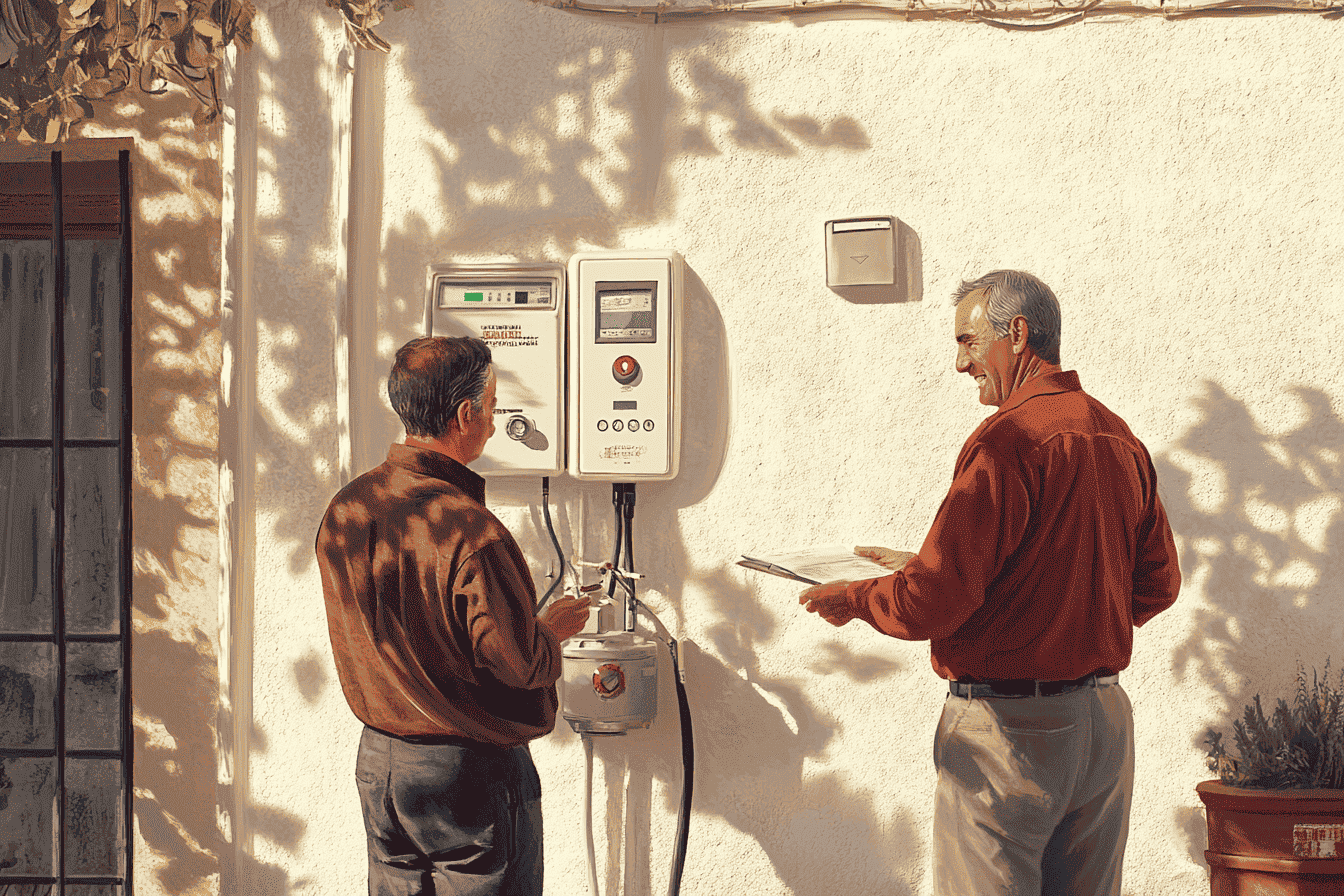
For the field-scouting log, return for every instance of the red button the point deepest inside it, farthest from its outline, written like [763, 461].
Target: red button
[625, 369]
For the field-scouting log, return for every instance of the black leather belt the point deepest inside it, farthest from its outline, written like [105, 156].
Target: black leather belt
[437, 740]
[1028, 687]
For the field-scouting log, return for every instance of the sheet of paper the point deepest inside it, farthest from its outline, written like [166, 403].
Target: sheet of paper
[829, 563]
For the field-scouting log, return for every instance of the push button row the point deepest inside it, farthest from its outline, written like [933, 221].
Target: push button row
[619, 425]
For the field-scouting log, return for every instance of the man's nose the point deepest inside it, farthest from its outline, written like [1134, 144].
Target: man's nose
[963, 359]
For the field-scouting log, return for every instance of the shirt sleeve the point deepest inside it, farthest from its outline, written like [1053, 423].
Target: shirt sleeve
[1157, 568]
[980, 523]
[494, 598]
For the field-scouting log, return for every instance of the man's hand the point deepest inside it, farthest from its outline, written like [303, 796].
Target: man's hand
[892, 560]
[829, 602]
[566, 616]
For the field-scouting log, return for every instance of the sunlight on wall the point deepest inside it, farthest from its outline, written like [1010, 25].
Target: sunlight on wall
[509, 130]
[1261, 516]
[535, 154]
[176, 350]
[1312, 519]
[1208, 487]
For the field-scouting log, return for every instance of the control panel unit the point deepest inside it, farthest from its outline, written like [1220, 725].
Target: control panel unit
[517, 308]
[625, 365]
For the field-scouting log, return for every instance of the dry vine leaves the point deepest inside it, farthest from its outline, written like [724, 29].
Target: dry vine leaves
[57, 55]
[362, 16]
[67, 53]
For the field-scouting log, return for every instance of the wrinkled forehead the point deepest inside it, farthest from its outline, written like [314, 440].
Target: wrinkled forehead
[972, 316]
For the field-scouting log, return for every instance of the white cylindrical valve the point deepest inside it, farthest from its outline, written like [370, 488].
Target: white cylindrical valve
[610, 682]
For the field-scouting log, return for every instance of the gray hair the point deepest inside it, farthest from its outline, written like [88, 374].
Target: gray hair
[1013, 293]
[432, 376]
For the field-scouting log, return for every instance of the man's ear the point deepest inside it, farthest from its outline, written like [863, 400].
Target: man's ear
[1018, 332]
[465, 414]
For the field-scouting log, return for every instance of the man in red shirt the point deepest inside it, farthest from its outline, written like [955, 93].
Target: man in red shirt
[1051, 546]
[439, 648]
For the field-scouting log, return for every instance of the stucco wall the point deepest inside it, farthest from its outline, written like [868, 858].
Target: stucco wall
[177, 844]
[1175, 183]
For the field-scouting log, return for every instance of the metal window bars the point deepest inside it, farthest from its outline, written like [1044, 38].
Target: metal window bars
[65, 703]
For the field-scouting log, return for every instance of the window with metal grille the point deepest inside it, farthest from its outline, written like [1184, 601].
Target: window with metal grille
[65, 534]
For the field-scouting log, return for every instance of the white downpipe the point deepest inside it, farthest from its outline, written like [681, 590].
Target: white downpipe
[239, 141]
[237, 321]
[343, 92]
[357, 323]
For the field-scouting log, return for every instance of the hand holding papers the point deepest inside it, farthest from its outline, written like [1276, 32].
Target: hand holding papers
[892, 560]
[813, 566]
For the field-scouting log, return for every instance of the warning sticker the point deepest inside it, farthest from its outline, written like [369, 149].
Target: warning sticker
[623, 452]
[506, 336]
[1317, 841]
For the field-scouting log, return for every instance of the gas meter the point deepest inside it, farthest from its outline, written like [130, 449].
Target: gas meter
[517, 308]
[625, 365]
[611, 682]
[624, 375]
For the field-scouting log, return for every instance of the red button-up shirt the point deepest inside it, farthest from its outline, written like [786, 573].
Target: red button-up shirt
[1050, 547]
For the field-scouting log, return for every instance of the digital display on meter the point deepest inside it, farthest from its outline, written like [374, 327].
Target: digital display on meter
[490, 294]
[626, 312]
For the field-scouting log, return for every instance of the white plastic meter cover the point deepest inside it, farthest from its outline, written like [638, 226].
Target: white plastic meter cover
[518, 309]
[625, 352]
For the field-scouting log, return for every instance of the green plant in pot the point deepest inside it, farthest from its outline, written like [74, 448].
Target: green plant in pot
[1276, 814]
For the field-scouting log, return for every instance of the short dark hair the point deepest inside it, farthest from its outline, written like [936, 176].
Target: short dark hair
[432, 376]
[1010, 293]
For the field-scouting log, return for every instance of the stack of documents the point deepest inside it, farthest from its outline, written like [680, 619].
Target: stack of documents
[813, 566]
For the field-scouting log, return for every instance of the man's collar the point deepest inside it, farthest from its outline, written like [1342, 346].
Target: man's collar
[429, 462]
[1046, 384]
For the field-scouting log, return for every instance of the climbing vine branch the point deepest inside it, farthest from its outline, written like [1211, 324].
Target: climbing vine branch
[57, 56]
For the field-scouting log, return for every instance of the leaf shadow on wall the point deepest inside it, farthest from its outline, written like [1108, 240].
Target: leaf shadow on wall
[755, 730]
[285, 337]
[754, 735]
[1259, 519]
[587, 153]
[174, 680]
[571, 162]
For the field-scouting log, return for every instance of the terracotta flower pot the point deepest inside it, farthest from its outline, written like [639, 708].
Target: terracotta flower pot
[1274, 842]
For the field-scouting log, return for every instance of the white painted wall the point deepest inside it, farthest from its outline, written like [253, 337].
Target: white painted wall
[1177, 184]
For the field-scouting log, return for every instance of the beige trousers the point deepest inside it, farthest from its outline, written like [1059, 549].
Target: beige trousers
[1033, 794]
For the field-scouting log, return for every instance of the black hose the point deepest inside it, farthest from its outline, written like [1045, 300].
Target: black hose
[687, 776]
[629, 504]
[629, 526]
[546, 512]
[617, 498]
[683, 710]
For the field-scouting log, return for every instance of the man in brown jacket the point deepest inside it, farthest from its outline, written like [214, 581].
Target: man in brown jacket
[438, 645]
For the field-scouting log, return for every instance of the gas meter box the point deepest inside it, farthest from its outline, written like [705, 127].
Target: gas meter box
[517, 308]
[625, 365]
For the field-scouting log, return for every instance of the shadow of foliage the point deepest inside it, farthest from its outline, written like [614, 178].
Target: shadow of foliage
[1259, 518]
[175, 345]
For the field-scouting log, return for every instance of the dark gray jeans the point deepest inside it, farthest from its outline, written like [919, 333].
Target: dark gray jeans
[449, 818]
[1033, 794]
